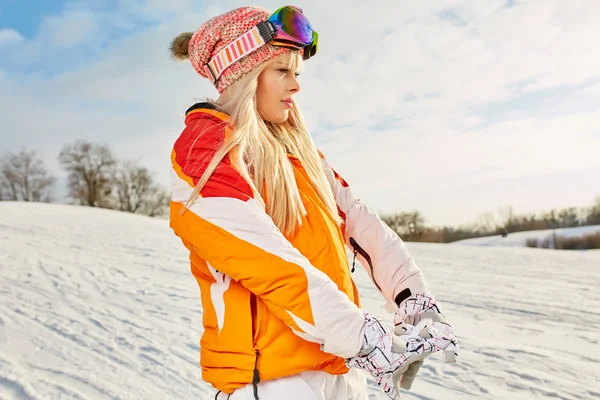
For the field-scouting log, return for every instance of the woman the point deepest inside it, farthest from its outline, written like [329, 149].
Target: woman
[266, 221]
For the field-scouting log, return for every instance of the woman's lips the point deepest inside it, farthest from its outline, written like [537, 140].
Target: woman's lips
[288, 102]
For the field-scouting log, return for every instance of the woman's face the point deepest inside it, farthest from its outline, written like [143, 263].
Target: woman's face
[277, 85]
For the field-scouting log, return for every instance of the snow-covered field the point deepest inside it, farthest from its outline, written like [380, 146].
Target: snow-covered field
[97, 304]
[519, 239]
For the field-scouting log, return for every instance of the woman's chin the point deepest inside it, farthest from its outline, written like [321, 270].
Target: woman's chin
[280, 117]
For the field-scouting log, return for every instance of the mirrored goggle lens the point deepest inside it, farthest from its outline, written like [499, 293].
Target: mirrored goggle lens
[293, 23]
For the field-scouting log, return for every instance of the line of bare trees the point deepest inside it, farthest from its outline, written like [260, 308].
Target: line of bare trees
[95, 178]
[411, 226]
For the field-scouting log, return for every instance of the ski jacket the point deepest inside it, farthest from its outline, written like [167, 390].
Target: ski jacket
[275, 305]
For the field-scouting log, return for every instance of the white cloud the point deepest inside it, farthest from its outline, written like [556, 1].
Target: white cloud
[9, 37]
[69, 29]
[424, 108]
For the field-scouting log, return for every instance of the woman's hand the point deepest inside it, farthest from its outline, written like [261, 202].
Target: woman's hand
[411, 312]
[388, 357]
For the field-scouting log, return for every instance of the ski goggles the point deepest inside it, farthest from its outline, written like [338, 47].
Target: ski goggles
[286, 27]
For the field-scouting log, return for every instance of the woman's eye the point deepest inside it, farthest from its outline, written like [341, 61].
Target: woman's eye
[287, 70]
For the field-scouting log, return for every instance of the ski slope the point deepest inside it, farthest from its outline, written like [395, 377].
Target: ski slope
[98, 304]
[519, 239]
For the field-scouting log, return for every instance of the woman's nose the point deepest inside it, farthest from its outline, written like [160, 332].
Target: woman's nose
[294, 85]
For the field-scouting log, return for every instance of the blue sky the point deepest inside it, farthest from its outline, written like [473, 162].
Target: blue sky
[452, 107]
[26, 16]
[64, 35]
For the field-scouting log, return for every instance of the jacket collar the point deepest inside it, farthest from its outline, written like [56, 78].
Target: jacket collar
[205, 110]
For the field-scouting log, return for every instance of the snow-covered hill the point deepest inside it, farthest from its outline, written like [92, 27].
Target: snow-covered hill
[98, 304]
[519, 239]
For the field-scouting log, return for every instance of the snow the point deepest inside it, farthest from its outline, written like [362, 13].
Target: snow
[519, 239]
[98, 304]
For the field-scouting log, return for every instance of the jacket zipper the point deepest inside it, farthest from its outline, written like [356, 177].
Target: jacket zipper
[366, 256]
[354, 261]
[255, 374]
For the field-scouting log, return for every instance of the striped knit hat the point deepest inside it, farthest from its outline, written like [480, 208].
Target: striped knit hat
[215, 34]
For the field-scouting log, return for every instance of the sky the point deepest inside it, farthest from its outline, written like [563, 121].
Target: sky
[450, 107]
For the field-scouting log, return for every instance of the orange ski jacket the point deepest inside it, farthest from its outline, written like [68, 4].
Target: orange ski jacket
[275, 305]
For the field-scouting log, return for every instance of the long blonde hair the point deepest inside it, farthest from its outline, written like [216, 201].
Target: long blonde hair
[258, 149]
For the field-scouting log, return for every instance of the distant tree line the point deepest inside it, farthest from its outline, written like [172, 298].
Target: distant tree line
[411, 226]
[583, 242]
[96, 178]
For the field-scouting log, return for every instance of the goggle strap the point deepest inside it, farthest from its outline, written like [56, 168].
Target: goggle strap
[240, 47]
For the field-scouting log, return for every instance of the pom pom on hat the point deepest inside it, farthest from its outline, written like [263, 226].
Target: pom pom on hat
[215, 34]
[180, 46]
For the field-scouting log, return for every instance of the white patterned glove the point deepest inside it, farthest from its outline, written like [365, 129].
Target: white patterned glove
[416, 307]
[412, 311]
[387, 356]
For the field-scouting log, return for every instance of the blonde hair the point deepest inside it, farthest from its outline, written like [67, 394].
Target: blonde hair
[258, 149]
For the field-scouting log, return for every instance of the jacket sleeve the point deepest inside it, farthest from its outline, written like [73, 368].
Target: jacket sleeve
[230, 230]
[378, 248]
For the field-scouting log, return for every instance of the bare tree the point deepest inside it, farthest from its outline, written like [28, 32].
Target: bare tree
[551, 217]
[408, 225]
[507, 218]
[395, 221]
[416, 224]
[90, 168]
[157, 205]
[486, 223]
[568, 217]
[136, 192]
[593, 213]
[24, 177]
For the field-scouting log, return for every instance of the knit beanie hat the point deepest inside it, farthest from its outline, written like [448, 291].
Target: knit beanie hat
[215, 34]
